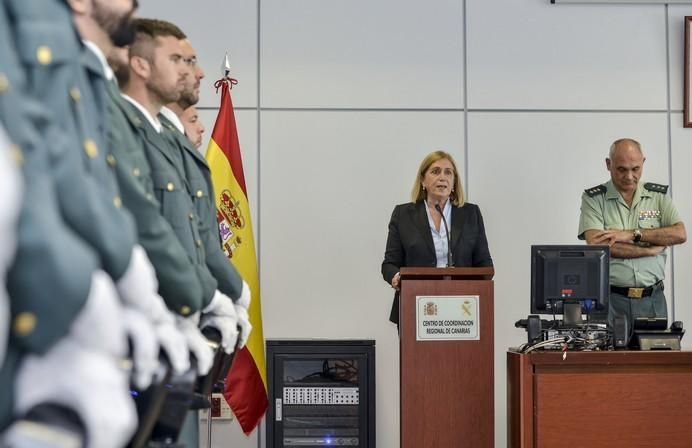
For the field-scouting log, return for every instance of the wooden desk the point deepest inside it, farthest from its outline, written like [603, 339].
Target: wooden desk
[599, 399]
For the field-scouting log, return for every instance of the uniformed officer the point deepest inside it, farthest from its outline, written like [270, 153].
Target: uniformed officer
[101, 26]
[63, 309]
[201, 189]
[194, 128]
[156, 74]
[54, 59]
[638, 221]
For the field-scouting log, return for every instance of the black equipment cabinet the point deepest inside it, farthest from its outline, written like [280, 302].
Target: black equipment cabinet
[321, 393]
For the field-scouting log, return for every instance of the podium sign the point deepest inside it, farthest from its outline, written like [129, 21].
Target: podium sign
[447, 318]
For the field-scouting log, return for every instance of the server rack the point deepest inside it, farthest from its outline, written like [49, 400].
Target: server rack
[321, 393]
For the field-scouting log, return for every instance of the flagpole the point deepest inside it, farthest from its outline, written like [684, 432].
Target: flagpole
[245, 387]
[225, 72]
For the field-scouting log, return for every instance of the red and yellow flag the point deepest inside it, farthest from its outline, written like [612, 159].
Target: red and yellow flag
[246, 384]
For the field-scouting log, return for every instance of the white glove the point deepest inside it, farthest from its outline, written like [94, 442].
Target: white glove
[245, 326]
[138, 289]
[138, 285]
[99, 326]
[245, 296]
[145, 347]
[11, 187]
[221, 314]
[85, 380]
[241, 308]
[175, 343]
[197, 343]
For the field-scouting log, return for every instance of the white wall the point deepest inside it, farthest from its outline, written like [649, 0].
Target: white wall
[340, 99]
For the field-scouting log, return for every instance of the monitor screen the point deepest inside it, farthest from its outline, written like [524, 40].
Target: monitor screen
[569, 274]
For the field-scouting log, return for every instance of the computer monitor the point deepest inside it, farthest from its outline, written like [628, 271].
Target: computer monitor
[569, 279]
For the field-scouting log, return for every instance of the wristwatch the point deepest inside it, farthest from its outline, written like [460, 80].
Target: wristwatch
[636, 235]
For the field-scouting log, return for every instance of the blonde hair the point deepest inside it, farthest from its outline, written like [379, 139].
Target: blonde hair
[418, 194]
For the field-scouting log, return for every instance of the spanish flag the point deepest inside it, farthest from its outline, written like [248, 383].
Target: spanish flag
[246, 384]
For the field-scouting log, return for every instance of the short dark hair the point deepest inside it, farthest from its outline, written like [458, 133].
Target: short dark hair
[146, 31]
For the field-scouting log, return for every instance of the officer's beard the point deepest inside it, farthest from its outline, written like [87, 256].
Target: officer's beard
[120, 29]
[188, 98]
[119, 64]
[160, 91]
[124, 34]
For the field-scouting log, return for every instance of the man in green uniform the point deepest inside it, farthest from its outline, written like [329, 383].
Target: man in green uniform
[200, 187]
[638, 221]
[156, 74]
[200, 190]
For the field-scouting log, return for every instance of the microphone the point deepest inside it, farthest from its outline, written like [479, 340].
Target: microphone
[450, 258]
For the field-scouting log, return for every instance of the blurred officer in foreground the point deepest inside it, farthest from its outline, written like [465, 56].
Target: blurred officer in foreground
[65, 314]
[69, 87]
[11, 185]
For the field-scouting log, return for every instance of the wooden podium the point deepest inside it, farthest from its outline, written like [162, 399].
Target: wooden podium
[447, 386]
[599, 399]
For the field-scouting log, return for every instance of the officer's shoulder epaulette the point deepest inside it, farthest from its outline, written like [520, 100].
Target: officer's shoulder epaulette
[658, 188]
[595, 191]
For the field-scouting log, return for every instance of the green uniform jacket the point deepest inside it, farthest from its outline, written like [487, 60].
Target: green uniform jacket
[603, 208]
[51, 53]
[201, 191]
[50, 278]
[179, 284]
[171, 192]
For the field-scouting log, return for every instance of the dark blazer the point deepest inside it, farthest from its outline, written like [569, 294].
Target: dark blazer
[410, 242]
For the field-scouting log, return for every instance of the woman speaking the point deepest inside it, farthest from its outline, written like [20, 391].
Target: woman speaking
[437, 228]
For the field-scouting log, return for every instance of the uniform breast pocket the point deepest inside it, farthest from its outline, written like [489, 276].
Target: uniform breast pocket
[200, 197]
[171, 197]
[650, 223]
[45, 49]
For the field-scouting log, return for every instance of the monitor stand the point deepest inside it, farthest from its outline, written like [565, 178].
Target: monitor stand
[571, 314]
